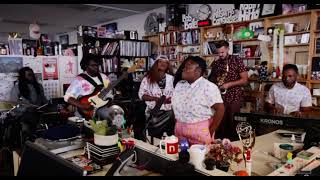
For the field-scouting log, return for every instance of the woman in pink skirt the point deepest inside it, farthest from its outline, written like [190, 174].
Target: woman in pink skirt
[197, 104]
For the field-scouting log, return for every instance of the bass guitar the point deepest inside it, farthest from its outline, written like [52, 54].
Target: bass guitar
[98, 98]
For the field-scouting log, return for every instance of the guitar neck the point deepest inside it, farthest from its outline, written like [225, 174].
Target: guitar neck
[106, 90]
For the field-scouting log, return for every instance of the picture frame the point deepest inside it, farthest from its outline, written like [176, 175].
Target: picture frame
[301, 57]
[64, 39]
[111, 27]
[270, 10]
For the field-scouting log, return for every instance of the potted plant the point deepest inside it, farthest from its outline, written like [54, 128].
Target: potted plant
[222, 153]
[104, 135]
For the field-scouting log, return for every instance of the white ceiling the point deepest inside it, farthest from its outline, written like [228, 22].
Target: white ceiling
[61, 18]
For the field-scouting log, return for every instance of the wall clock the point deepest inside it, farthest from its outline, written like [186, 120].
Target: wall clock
[204, 12]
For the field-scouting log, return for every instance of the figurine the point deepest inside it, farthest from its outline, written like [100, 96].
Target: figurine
[289, 164]
[184, 145]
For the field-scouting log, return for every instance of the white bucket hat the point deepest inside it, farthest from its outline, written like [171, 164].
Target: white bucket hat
[163, 57]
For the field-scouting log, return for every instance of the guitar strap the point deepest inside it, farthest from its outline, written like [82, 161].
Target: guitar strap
[90, 80]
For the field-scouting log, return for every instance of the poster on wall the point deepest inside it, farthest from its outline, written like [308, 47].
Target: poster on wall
[248, 12]
[68, 68]
[10, 64]
[224, 16]
[51, 88]
[35, 63]
[189, 22]
[5, 89]
[50, 68]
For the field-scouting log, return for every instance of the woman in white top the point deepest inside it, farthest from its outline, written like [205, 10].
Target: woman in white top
[157, 82]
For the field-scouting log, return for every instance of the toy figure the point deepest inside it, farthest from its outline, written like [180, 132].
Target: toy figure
[289, 164]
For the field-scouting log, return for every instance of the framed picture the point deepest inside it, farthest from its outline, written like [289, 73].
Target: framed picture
[301, 57]
[64, 39]
[111, 28]
[270, 10]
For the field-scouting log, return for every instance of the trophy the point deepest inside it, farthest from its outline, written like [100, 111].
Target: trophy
[247, 137]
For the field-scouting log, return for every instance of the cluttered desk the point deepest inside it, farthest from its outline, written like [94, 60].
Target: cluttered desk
[274, 153]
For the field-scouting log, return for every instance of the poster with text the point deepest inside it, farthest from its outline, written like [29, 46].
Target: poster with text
[50, 68]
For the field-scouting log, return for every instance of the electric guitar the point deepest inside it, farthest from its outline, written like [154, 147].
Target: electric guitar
[98, 98]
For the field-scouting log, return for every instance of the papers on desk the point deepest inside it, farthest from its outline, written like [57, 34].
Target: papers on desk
[88, 166]
[298, 163]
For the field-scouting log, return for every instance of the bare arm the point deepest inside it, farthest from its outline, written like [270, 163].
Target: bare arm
[217, 117]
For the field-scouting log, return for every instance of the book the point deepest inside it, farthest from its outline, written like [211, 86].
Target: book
[305, 155]
[318, 46]
[86, 164]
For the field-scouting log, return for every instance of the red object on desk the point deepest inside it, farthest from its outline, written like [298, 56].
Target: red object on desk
[248, 153]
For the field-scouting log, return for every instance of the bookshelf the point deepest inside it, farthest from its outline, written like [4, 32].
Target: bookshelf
[304, 23]
[115, 52]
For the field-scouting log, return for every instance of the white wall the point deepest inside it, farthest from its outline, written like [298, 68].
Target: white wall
[136, 22]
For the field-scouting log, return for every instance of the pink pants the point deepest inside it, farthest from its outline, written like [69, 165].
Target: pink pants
[195, 133]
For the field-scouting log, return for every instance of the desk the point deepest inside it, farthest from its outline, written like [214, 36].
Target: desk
[260, 160]
[263, 143]
[149, 148]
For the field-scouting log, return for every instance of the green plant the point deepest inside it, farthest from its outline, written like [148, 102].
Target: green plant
[102, 128]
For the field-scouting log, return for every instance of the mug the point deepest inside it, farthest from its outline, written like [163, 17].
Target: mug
[171, 146]
[197, 154]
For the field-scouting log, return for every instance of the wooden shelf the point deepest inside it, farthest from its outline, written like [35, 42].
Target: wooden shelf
[245, 40]
[187, 30]
[317, 31]
[190, 52]
[243, 22]
[190, 45]
[213, 40]
[215, 26]
[169, 45]
[316, 96]
[251, 58]
[296, 33]
[315, 81]
[316, 55]
[151, 35]
[289, 15]
[209, 55]
[293, 45]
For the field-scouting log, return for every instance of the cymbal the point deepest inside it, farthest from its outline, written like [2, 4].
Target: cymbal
[21, 103]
